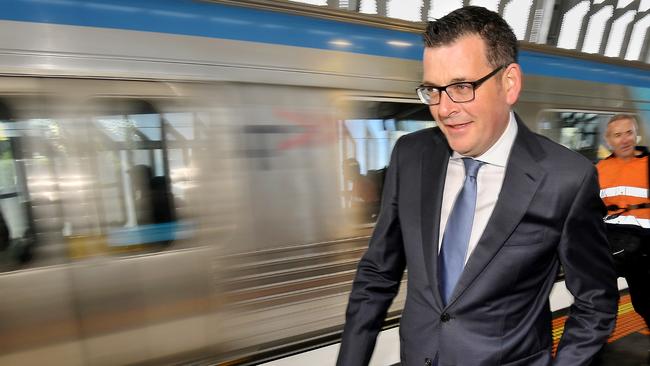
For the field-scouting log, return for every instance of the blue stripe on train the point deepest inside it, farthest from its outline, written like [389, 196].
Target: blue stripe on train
[196, 18]
[205, 19]
[151, 233]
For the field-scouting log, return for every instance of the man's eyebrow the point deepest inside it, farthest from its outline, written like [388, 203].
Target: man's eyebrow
[453, 81]
[458, 80]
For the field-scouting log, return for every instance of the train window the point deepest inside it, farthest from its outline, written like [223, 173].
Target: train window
[367, 138]
[17, 237]
[98, 181]
[142, 179]
[13, 221]
[10, 190]
[581, 131]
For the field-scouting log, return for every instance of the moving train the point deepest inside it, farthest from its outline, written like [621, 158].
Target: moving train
[194, 181]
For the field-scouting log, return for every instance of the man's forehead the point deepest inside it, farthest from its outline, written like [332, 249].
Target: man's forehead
[621, 125]
[440, 72]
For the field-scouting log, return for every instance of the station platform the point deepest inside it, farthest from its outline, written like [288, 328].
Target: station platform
[629, 344]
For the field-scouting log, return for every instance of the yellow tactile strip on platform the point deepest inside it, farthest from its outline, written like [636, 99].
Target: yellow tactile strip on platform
[627, 322]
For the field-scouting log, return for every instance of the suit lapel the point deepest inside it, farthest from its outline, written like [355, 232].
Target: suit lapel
[522, 179]
[432, 181]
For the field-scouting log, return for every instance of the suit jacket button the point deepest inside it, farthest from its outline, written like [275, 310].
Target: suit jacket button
[427, 362]
[445, 317]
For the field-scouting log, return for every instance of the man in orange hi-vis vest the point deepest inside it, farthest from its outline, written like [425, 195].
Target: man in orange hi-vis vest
[624, 183]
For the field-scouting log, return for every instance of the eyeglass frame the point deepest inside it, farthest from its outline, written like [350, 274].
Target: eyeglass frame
[475, 84]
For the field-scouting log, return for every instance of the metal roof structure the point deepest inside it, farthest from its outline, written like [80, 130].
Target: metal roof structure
[612, 28]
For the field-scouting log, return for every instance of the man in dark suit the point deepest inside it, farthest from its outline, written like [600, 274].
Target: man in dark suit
[482, 211]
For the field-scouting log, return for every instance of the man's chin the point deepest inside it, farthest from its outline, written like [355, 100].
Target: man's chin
[463, 150]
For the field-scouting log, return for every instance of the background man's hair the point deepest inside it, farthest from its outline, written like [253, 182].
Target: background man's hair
[621, 116]
[500, 40]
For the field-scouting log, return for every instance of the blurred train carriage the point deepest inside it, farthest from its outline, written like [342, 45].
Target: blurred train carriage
[192, 181]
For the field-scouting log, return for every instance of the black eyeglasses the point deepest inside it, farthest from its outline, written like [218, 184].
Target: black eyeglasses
[460, 92]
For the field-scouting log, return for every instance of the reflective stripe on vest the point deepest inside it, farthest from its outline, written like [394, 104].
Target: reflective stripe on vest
[624, 191]
[630, 220]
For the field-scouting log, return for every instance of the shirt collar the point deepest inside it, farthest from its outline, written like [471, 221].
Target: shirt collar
[499, 152]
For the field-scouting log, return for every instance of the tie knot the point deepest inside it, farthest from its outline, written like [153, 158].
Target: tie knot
[471, 167]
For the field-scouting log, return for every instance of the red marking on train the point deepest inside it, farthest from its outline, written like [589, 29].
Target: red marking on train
[318, 129]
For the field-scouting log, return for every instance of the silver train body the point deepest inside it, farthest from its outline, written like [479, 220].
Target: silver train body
[245, 142]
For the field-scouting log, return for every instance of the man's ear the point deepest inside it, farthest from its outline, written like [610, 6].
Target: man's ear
[638, 139]
[512, 82]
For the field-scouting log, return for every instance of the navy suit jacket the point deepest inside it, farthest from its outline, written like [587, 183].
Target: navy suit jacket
[548, 212]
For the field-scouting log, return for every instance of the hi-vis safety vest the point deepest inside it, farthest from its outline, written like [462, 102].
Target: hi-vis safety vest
[624, 183]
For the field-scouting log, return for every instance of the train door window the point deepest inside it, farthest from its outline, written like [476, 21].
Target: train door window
[366, 139]
[58, 154]
[9, 192]
[48, 188]
[32, 151]
[137, 204]
[14, 223]
[581, 131]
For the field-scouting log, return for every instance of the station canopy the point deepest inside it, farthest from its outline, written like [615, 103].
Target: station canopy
[612, 28]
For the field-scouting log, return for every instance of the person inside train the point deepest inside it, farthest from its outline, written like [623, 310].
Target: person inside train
[624, 187]
[152, 197]
[4, 233]
[140, 184]
[482, 211]
[364, 194]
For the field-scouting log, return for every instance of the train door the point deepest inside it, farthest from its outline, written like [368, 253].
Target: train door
[16, 225]
[142, 159]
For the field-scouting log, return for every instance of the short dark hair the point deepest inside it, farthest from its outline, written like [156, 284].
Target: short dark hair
[500, 40]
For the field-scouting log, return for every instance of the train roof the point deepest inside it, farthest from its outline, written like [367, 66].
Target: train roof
[300, 26]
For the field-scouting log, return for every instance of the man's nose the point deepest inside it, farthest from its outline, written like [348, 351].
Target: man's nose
[446, 106]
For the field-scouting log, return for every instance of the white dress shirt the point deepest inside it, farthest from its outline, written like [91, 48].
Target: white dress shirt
[489, 181]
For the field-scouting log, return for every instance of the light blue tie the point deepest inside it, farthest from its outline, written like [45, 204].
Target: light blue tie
[457, 232]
